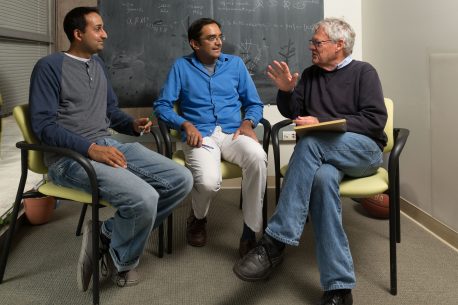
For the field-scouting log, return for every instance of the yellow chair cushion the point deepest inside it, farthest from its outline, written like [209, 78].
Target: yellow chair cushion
[366, 186]
[51, 189]
[228, 170]
[360, 187]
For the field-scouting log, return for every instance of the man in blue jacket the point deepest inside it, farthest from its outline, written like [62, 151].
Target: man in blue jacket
[72, 105]
[219, 107]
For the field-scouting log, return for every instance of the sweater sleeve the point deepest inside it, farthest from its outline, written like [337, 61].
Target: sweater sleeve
[370, 119]
[44, 97]
[291, 104]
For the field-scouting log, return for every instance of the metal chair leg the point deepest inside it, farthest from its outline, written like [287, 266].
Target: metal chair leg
[161, 240]
[17, 203]
[169, 233]
[81, 220]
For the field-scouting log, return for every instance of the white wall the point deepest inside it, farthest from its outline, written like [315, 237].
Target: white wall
[399, 39]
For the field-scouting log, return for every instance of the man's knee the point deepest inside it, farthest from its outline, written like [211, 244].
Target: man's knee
[142, 203]
[326, 176]
[208, 184]
[257, 159]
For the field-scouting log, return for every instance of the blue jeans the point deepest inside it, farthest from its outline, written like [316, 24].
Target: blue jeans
[318, 164]
[144, 194]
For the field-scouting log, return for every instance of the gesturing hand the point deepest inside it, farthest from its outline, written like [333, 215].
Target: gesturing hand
[279, 73]
[142, 125]
[108, 155]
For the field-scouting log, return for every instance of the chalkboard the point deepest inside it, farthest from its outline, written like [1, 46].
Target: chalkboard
[145, 37]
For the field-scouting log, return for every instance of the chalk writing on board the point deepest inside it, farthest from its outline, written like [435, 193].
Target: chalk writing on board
[145, 37]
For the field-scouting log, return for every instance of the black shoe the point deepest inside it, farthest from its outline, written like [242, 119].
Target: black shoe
[196, 231]
[245, 246]
[337, 297]
[260, 261]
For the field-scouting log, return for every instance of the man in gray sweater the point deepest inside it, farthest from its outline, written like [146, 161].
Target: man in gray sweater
[72, 105]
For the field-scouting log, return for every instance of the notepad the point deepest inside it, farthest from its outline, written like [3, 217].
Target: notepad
[335, 125]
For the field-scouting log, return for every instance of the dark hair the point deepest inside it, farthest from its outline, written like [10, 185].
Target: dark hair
[76, 20]
[195, 29]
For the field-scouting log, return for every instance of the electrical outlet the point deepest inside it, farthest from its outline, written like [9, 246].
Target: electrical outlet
[289, 135]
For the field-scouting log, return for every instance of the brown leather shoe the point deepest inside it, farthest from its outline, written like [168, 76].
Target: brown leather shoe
[245, 246]
[196, 233]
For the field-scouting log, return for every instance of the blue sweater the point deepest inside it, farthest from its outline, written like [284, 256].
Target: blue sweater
[72, 104]
[209, 101]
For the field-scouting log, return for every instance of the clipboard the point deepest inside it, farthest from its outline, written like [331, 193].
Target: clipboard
[335, 126]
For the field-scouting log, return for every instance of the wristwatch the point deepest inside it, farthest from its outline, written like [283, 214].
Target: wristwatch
[251, 121]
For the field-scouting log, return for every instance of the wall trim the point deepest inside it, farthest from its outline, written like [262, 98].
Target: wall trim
[432, 225]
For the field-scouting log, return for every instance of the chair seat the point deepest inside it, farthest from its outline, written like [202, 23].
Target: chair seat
[228, 170]
[51, 189]
[360, 187]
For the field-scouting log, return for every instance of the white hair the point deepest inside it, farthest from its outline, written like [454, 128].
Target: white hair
[338, 29]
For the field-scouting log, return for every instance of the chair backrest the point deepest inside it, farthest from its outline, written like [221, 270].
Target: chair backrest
[35, 158]
[389, 125]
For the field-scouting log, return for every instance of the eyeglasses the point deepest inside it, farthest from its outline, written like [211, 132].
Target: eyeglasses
[317, 43]
[212, 38]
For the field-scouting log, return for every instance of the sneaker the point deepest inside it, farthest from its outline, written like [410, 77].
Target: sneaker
[121, 279]
[337, 297]
[259, 262]
[196, 232]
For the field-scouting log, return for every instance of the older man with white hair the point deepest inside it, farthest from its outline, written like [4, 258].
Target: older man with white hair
[334, 87]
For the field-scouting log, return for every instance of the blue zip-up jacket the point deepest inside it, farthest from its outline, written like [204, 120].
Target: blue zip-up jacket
[209, 101]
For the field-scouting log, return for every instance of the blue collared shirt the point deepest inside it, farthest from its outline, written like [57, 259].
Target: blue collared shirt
[209, 101]
[344, 62]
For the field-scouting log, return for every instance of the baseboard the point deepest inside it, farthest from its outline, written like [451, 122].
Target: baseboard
[440, 230]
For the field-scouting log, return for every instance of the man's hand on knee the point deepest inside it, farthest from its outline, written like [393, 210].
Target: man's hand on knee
[246, 129]
[108, 155]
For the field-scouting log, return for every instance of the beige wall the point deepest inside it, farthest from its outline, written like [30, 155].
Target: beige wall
[400, 38]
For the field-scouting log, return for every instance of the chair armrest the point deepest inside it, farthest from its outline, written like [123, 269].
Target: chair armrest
[400, 139]
[83, 161]
[157, 138]
[266, 134]
[164, 130]
[276, 143]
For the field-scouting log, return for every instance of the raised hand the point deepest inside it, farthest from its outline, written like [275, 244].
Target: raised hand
[279, 73]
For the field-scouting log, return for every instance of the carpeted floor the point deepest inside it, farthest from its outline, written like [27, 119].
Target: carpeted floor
[42, 266]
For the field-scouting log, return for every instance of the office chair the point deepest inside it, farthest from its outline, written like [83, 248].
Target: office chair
[383, 181]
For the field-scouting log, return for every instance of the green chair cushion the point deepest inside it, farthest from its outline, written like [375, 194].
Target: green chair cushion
[51, 189]
[228, 170]
[360, 187]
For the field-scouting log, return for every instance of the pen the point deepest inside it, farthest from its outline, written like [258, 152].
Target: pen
[207, 146]
[149, 119]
